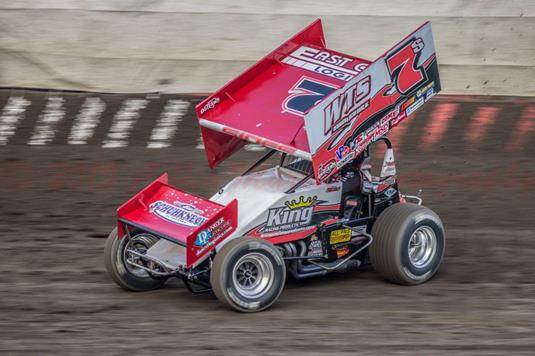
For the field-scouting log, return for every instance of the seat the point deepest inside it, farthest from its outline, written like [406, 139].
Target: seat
[351, 194]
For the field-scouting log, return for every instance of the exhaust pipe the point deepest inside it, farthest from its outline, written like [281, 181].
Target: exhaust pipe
[296, 267]
[315, 269]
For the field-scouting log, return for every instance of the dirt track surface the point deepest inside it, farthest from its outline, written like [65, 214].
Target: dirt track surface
[58, 206]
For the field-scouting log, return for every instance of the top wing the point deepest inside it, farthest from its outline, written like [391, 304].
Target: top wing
[319, 104]
[342, 125]
[266, 104]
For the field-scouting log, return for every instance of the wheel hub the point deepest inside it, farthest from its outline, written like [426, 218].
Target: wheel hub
[253, 275]
[422, 246]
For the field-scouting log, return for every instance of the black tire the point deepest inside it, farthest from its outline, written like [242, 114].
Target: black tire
[228, 278]
[120, 273]
[392, 234]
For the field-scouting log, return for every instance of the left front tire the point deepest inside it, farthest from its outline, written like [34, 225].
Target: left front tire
[248, 274]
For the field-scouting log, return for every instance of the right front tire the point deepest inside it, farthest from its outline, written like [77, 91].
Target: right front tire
[408, 245]
[248, 274]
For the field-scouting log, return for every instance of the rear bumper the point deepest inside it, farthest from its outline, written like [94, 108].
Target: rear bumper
[163, 259]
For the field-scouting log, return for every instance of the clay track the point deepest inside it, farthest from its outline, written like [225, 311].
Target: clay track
[58, 203]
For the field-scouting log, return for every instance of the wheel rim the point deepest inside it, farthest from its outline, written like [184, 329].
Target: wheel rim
[253, 275]
[422, 246]
[139, 243]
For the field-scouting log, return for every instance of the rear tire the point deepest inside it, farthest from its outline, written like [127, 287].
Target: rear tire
[408, 246]
[248, 274]
[125, 276]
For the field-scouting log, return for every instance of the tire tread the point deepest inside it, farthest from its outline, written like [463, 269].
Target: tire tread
[132, 284]
[386, 233]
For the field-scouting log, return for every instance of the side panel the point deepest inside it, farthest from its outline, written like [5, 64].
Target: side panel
[137, 200]
[256, 193]
[213, 232]
[295, 215]
[368, 106]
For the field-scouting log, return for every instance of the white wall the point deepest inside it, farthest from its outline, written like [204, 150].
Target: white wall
[484, 46]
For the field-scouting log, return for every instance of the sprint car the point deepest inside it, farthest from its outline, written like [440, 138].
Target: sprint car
[312, 205]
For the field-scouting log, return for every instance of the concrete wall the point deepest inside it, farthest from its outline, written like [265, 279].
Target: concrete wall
[484, 46]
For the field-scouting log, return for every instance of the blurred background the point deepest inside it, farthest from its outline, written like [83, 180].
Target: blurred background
[97, 99]
[484, 46]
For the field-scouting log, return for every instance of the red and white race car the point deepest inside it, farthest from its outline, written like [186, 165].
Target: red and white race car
[318, 209]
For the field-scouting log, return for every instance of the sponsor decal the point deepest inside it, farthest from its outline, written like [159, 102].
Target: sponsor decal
[209, 236]
[384, 194]
[360, 229]
[429, 94]
[178, 213]
[402, 65]
[390, 180]
[367, 186]
[390, 192]
[408, 102]
[321, 56]
[342, 152]
[370, 135]
[414, 106]
[392, 114]
[425, 90]
[380, 187]
[360, 67]
[343, 155]
[395, 121]
[336, 188]
[388, 169]
[325, 63]
[325, 169]
[203, 237]
[345, 107]
[356, 146]
[210, 105]
[293, 216]
[414, 102]
[342, 251]
[305, 94]
[329, 72]
[339, 236]
[315, 248]
[317, 68]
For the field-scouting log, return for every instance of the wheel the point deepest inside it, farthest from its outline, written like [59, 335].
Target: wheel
[248, 274]
[408, 244]
[125, 275]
